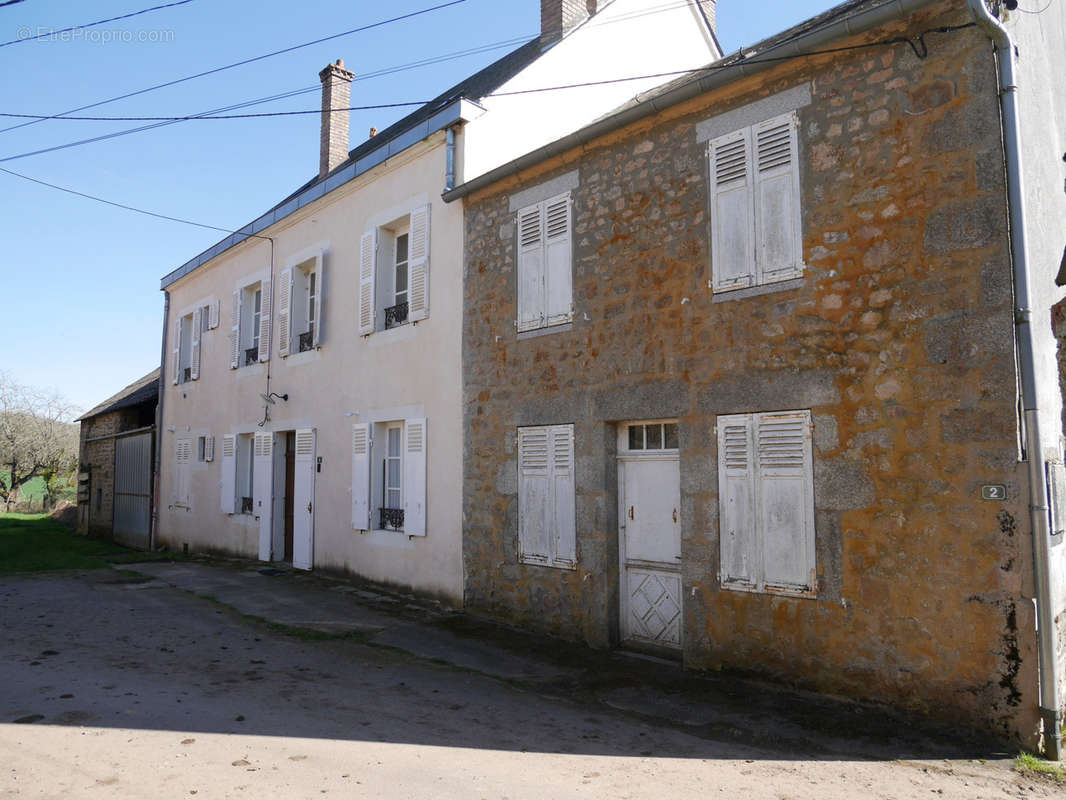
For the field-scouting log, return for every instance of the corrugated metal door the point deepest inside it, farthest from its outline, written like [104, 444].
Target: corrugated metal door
[133, 489]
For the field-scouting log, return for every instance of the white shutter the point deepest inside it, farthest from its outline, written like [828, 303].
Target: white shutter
[182, 463]
[284, 312]
[418, 266]
[177, 351]
[778, 235]
[194, 355]
[531, 268]
[209, 448]
[559, 270]
[785, 499]
[213, 312]
[368, 256]
[736, 501]
[235, 332]
[414, 477]
[264, 322]
[228, 483]
[534, 495]
[732, 211]
[263, 491]
[303, 518]
[361, 476]
[320, 289]
[564, 544]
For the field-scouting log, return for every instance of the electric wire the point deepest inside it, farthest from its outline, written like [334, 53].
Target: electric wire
[54, 32]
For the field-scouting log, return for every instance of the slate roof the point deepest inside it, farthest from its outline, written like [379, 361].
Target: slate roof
[142, 390]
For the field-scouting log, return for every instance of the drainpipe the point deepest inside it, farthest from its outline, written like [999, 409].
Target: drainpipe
[1038, 500]
[153, 528]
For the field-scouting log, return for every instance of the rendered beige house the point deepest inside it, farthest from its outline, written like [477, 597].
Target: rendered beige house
[312, 391]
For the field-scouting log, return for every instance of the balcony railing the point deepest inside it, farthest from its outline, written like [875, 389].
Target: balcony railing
[395, 315]
[186, 374]
[246, 505]
[307, 340]
[392, 519]
[251, 356]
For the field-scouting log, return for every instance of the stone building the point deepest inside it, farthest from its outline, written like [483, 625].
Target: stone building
[115, 472]
[742, 384]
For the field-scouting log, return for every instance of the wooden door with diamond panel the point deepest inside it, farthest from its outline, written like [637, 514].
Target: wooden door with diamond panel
[649, 492]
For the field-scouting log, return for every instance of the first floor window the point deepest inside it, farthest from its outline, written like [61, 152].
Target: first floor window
[187, 335]
[394, 272]
[544, 275]
[546, 496]
[766, 502]
[250, 325]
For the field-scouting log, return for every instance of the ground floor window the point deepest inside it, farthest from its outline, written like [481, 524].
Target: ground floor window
[546, 496]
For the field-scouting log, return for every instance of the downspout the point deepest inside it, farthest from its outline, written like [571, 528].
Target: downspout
[153, 529]
[1038, 500]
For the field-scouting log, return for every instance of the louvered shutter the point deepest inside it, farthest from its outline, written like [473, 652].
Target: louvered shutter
[320, 290]
[194, 355]
[213, 314]
[785, 499]
[418, 266]
[177, 351]
[534, 495]
[235, 332]
[531, 268]
[264, 322]
[558, 249]
[284, 312]
[732, 211]
[778, 237]
[209, 448]
[564, 543]
[303, 499]
[263, 491]
[414, 477]
[361, 476]
[736, 501]
[228, 483]
[368, 256]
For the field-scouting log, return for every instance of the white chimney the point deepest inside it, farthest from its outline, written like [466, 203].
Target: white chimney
[336, 94]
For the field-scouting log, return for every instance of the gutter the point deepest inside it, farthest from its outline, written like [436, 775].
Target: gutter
[739, 65]
[1038, 500]
[121, 434]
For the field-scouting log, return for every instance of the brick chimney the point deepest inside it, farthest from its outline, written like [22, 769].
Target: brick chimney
[336, 93]
[559, 17]
[709, 7]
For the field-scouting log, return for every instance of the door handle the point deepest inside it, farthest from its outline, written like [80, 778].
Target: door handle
[675, 516]
[631, 512]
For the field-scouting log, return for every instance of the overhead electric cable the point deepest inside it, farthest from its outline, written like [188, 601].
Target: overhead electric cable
[51, 32]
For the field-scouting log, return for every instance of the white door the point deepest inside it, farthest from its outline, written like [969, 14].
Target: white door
[303, 503]
[650, 537]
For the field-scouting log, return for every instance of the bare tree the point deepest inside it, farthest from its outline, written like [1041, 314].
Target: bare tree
[36, 438]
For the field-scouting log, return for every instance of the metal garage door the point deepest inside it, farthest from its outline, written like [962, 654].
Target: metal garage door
[133, 489]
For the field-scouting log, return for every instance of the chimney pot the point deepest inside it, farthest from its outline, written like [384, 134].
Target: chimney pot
[336, 99]
[373, 132]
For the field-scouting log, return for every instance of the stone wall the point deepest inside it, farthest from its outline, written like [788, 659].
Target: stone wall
[898, 338]
[98, 459]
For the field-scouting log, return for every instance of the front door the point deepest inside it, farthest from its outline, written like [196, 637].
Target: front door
[649, 493]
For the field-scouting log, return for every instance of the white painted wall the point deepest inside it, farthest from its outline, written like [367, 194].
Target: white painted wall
[626, 38]
[412, 370]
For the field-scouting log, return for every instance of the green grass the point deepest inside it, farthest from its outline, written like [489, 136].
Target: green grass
[35, 543]
[33, 491]
[1028, 764]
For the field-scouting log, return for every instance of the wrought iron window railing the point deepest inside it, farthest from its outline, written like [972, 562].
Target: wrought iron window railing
[307, 340]
[246, 505]
[392, 519]
[395, 315]
[251, 356]
[186, 374]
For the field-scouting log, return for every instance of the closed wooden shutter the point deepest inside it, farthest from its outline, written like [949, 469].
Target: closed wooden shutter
[361, 476]
[778, 238]
[557, 255]
[235, 332]
[732, 211]
[320, 291]
[209, 448]
[303, 518]
[213, 314]
[194, 355]
[785, 505]
[284, 312]
[228, 483]
[534, 495]
[736, 500]
[263, 491]
[564, 544]
[418, 266]
[177, 351]
[368, 255]
[531, 268]
[414, 477]
[264, 322]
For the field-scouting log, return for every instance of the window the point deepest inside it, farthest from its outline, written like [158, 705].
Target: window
[545, 282]
[182, 466]
[394, 273]
[653, 436]
[250, 325]
[187, 334]
[546, 501]
[756, 234]
[766, 502]
[201, 448]
[389, 476]
[300, 306]
[244, 468]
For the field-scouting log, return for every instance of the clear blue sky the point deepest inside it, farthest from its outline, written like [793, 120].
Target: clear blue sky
[80, 306]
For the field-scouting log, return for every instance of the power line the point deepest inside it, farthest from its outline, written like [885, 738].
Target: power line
[55, 32]
[225, 116]
[240, 63]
